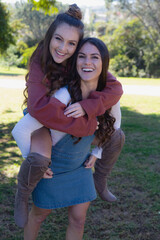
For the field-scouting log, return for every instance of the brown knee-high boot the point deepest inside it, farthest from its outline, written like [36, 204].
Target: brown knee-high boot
[103, 166]
[30, 173]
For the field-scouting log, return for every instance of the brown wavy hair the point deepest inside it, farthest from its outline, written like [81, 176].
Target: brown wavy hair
[106, 121]
[55, 75]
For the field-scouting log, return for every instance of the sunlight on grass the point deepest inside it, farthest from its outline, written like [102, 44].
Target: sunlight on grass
[10, 172]
[141, 104]
[139, 81]
[12, 102]
[12, 70]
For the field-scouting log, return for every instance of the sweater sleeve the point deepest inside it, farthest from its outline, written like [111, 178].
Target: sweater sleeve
[49, 111]
[116, 113]
[98, 102]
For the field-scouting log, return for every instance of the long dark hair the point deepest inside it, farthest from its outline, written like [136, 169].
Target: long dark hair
[54, 73]
[106, 120]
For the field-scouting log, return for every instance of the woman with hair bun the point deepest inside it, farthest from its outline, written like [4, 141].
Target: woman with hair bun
[50, 68]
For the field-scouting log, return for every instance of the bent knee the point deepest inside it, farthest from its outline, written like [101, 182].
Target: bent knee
[41, 142]
[39, 219]
[77, 222]
[118, 137]
[39, 215]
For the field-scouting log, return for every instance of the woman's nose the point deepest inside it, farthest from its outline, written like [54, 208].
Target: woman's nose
[63, 46]
[87, 61]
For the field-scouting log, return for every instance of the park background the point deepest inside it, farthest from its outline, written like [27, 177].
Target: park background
[131, 31]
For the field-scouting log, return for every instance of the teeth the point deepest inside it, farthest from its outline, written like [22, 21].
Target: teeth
[61, 54]
[87, 70]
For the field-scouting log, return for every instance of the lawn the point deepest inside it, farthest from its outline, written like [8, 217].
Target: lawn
[140, 81]
[135, 179]
[12, 71]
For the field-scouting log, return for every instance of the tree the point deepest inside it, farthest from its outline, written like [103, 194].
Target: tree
[35, 23]
[147, 11]
[48, 6]
[129, 46]
[134, 41]
[30, 27]
[6, 32]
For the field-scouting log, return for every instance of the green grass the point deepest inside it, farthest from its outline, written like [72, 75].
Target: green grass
[139, 81]
[134, 180]
[12, 71]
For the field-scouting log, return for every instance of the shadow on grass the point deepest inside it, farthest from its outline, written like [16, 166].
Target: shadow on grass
[11, 74]
[134, 180]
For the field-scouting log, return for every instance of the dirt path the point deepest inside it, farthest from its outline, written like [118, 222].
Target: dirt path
[18, 82]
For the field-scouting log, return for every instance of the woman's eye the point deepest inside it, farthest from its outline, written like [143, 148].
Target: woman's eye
[57, 38]
[72, 43]
[80, 56]
[95, 57]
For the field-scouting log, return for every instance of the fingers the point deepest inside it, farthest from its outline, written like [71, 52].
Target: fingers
[90, 161]
[97, 125]
[74, 110]
[48, 174]
[75, 114]
[89, 165]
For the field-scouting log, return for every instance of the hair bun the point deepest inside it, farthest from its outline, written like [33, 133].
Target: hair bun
[74, 11]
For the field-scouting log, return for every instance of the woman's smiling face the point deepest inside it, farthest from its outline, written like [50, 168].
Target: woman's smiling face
[89, 63]
[64, 42]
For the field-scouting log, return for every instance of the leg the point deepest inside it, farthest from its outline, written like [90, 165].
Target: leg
[22, 133]
[76, 216]
[41, 142]
[30, 173]
[36, 217]
[103, 166]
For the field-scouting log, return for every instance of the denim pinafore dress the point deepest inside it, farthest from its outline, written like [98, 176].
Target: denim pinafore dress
[72, 183]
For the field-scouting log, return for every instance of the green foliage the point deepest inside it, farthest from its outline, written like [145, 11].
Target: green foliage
[100, 28]
[126, 48]
[29, 27]
[17, 55]
[26, 55]
[48, 6]
[132, 50]
[35, 23]
[10, 58]
[123, 66]
[6, 32]
[147, 11]
[152, 60]
[132, 32]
